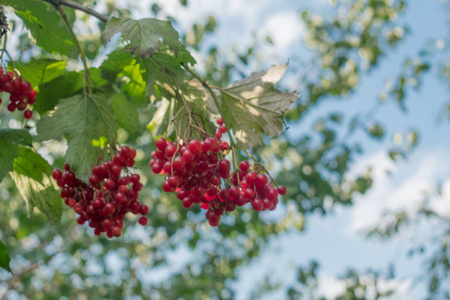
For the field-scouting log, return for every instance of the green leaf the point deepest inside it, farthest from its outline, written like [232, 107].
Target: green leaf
[10, 139]
[115, 63]
[126, 112]
[45, 24]
[4, 258]
[132, 82]
[143, 35]
[59, 88]
[253, 106]
[396, 155]
[81, 119]
[32, 176]
[120, 67]
[162, 117]
[162, 67]
[41, 71]
[376, 131]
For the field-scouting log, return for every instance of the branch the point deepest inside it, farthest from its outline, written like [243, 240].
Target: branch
[87, 76]
[75, 5]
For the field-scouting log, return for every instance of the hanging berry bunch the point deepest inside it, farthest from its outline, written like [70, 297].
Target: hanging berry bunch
[21, 95]
[111, 193]
[198, 172]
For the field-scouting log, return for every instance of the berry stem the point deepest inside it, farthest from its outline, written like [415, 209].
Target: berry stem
[216, 100]
[87, 75]
[4, 51]
[259, 164]
[78, 6]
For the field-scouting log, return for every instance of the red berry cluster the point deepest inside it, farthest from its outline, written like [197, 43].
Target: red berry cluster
[196, 172]
[21, 93]
[108, 197]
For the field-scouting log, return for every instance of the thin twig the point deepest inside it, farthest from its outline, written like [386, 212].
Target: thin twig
[78, 6]
[80, 50]
[216, 102]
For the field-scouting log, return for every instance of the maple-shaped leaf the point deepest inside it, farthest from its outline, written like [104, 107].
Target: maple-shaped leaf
[252, 106]
[81, 120]
[45, 24]
[143, 35]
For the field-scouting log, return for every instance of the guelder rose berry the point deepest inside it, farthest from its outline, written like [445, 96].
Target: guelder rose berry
[198, 172]
[21, 94]
[110, 194]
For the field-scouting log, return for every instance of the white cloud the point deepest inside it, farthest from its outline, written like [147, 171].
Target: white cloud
[331, 287]
[285, 28]
[403, 189]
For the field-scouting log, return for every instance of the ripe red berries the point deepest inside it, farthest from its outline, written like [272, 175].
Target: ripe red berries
[198, 172]
[108, 197]
[21, 94]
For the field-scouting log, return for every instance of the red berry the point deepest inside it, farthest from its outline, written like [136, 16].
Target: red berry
[109, 184]
[143, 221]
[143, 210]
[187, 202]
[257, 204]
[157, 167]
[161, 143]
[21, 106]
[244, 166]
[178, 163]
[135, 178]
[230, 206]
[173, 181]
[224, 165]
[31, 97]
[261, 180]
[108, 209]
[267, 204]
[220, 121]
[181, 194]
[11, 107]
[215, 180]
[116, 231]
[281, 190]
[234, 192]
[57, 174]
[98, 203]
[27, 114]
[93, 180]
[8, 87]
[250, 178]
[116, 169]
[167, 188]
[195, 147]
[170, 150]
[224, 146]
[188, 156]
[249, 194]
[272, 194]
[107, 224]
[119, 198]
